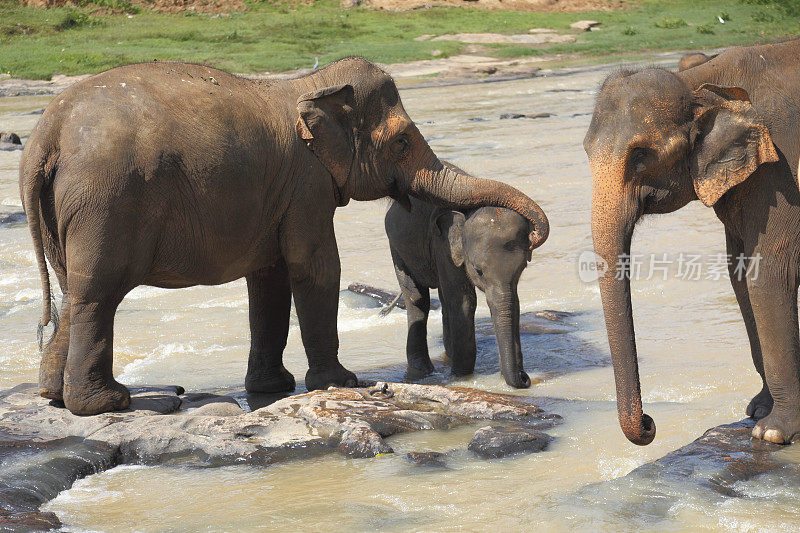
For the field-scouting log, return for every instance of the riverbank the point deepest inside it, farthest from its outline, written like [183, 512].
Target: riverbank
[94, 35]
[465, 69]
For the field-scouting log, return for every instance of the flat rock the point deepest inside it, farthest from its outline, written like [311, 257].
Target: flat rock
[722, 456]
[584, 25]
[491, 442]
[44, 448]
[724, 463]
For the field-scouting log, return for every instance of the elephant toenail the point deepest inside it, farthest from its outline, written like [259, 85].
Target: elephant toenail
[774, 435]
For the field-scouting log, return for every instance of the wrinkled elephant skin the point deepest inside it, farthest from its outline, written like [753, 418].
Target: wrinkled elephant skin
[723, 132]
[173, 175]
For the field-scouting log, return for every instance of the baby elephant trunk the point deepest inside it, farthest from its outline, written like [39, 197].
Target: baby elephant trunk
[504, 306]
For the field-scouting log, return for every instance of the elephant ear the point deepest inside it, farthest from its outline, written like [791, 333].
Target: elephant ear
[326, 125]
[450, 225]
[729, 141]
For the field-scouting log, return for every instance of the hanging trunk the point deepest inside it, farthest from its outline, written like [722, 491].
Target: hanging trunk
[612, 230]
[504, 306]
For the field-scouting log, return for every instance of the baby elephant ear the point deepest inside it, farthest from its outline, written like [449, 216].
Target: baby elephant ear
[325, 124]
[450, 225]
[729, 141]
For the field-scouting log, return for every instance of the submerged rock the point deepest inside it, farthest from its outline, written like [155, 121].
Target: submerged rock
[723, 456]
[701, 477]
[492, 442]
[434, 459]
[45, 448]
[13, 219]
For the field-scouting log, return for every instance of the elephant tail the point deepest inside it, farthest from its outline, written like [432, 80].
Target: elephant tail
[33, 173]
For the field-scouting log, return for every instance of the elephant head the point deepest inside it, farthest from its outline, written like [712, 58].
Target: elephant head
[491, 245]
[654, 145]
[354, 122]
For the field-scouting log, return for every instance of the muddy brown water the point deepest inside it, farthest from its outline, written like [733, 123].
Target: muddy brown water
[694, 357]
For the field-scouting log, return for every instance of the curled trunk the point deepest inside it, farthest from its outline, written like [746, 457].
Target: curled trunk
[449, 187]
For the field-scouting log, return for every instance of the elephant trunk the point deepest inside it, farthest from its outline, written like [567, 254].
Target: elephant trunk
[612, 230]
[449, 187]
[504, 306]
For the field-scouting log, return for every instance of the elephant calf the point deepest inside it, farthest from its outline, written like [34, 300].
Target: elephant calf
[456, 252]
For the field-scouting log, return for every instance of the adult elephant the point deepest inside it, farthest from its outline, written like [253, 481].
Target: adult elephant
[726, 133]
[173, 175]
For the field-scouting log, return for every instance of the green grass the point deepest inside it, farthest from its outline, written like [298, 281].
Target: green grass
[277, 36]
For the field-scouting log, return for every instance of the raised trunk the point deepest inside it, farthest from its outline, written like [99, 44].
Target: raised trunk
[504, 306]
[612, 230]
[448, 187]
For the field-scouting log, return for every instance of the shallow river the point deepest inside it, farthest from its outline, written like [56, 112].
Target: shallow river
[695, 362]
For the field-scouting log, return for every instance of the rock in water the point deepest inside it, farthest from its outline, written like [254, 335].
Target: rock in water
[434, 459]
[492, 442]
[9, 137]
[44, 448]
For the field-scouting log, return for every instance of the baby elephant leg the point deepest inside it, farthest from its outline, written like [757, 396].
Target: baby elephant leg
[418, 304]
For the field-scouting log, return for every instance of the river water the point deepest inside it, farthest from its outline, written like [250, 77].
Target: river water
[695, 362]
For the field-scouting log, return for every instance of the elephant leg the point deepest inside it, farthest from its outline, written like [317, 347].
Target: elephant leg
[54, 358]
[89, 384]
[314, 275]
[418, 304]
[458, 310]
[270, 305]
[775, 311]
[761, 404]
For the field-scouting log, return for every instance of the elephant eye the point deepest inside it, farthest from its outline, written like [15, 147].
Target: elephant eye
[479, 272]
[401, 144]
[641, 159]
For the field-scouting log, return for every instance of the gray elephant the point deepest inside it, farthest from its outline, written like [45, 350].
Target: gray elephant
[173, 175]
[455, 252]
[726, 133]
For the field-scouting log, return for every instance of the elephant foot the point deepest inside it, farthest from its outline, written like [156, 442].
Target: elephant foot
[777, 428]
[519, 380]
[418, 368]
[274, 380]
[461, 371]
[51, 378]
[94, 398]
[51, 387]
[761, 405]
[322, 377]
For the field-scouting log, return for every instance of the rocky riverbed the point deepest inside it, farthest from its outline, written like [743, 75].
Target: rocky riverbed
[44, 448]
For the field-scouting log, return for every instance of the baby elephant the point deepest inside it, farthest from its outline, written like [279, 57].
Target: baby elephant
[456, 252]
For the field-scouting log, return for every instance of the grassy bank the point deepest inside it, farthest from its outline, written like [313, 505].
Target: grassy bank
[36, 43]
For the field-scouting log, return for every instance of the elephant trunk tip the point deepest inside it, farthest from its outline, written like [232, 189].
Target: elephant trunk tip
[641, 433]
[539, 235]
